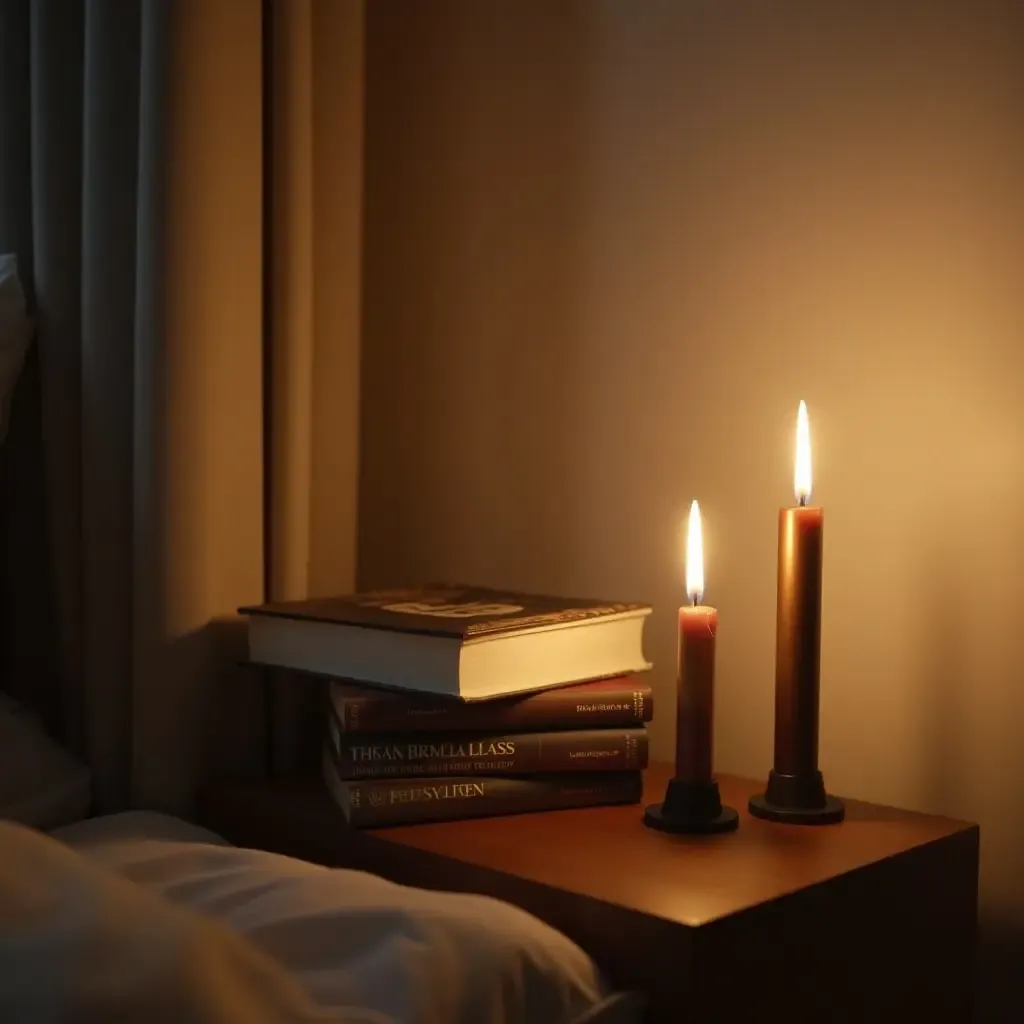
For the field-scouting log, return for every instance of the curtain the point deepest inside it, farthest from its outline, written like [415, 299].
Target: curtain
[315, 163]
[184, 439]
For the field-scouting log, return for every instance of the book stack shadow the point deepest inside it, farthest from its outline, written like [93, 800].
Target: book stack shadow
[470, 702]
[393, 758]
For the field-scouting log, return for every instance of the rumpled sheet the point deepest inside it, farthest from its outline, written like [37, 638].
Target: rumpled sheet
[359, 947]
[80, 945]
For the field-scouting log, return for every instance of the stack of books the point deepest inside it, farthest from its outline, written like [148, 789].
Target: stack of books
[470, 702]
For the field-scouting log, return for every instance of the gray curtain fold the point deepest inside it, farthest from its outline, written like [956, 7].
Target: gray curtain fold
[314, 120]
[113, 258]
[131, 190]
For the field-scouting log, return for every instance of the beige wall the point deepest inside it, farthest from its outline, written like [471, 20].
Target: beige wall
[610, 245]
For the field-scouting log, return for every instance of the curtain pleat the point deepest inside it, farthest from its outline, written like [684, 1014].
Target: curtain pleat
[291, 280]
[57, 50]
[290, 352]
[338, 105]
[315, 225]
[15, 133]
[315, 197]
[184, 438]
[109, 339]
[34, 668]
[198, 488]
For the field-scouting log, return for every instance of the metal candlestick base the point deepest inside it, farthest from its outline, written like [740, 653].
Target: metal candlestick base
[691, 808]
[797, 800]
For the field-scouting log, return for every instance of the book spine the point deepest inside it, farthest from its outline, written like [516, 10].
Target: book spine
[376, 803]
[384, 713]
[358, 757]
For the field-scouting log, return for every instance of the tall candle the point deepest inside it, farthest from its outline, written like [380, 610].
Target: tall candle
[796, 791]
[695, 679]
[798, 620]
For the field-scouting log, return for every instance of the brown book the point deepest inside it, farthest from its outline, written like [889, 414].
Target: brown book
[460, 641]
[603, 703]
[412, 754]
[371, 803]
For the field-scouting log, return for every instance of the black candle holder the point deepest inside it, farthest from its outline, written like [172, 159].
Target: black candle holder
[691, 808]
[797, 800]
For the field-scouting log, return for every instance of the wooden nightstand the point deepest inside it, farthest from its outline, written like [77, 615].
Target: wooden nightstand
[869, 921]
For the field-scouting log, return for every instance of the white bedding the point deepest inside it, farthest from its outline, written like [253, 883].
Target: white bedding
[355, 942]
[80, 945]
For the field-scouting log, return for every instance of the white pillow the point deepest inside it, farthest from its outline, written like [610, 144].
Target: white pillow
[41, 784]
[15, 333]
[80, 944]
[357, 941]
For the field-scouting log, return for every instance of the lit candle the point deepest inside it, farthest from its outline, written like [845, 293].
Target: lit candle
[796, 791]
[798, 619]
[693, 804]
[695, 680]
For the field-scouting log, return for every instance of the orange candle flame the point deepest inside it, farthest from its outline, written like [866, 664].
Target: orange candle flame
[694, 555]
[802, 463]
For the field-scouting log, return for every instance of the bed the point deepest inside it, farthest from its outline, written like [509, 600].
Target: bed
[361, 948]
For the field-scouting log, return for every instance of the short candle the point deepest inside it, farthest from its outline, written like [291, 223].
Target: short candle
[695, 679]
[692, 803]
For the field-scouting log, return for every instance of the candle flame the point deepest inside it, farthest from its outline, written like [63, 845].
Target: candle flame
[694, 555]
[802, 466]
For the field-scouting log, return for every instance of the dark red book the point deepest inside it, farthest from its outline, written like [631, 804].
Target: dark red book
[623, 701]
[462, 641]
[373, 803]
[412, 754]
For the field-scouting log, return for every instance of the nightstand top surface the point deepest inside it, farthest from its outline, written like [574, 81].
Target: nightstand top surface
[608, 853]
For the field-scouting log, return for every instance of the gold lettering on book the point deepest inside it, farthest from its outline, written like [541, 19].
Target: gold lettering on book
[444, 791]
[375, 752]
[470, 748]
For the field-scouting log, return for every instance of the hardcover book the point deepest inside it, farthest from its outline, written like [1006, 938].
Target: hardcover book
[622, 701]
[407, 755]
[379, 802]
[463, 641]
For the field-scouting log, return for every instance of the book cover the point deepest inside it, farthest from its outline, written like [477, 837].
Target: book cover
[621, 701]
[381, 802]
[455, 611]
[408, 755]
